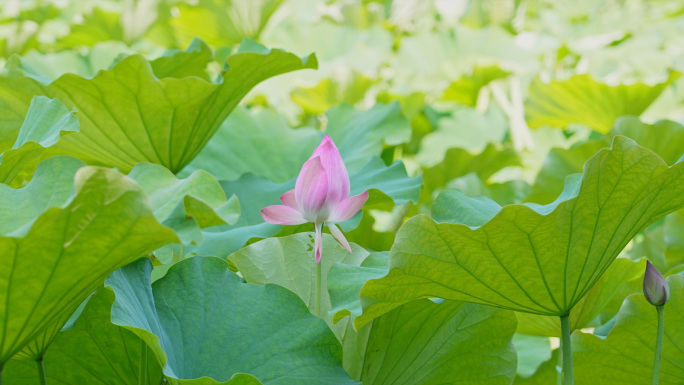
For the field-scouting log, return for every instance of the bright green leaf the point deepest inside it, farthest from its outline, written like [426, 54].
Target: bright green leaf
[46, 120]
[53, 265]
[626, 355]
[466, 89]
[423, 342]
[93, 351]
[128, 116]
[581, 99]
[536, 259]
[206, 326]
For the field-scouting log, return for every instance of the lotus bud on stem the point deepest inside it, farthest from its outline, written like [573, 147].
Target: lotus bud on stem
[657, 292]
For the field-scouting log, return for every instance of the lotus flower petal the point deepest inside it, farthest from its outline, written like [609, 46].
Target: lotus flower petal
[282, 215]
[339, 237]
[338, 179]
[289, 199]
[311, 189]
[348, 207]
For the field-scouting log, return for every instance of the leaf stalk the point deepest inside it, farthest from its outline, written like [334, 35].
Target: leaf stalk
[659, 344]
[568, 376]
[41, 371]
[317, 293]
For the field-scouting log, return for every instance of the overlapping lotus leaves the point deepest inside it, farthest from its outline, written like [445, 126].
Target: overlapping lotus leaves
[422, 341]
[46, 120]
[581, 99]
[531, 258]
[561, 162]
[128, 116]
[208, 327]
[626, 355]
[52, 262]
[93, 351]
[186, 205]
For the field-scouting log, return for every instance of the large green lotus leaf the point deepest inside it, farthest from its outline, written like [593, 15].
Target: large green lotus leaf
[420, 340]
[466, 89]
[582, 315]
[52, 186]
[223, 22]
[423, 342]
[387, 185]
[531, 258]
[263, 144]
[93, 351]
[361, 135]
[128, 116]
[209, 327]
[97, 26]
[459, 162]
[46, 120]
[259, 142]
[626, 355]
[562, 162]
[581, 99]
[50, 267]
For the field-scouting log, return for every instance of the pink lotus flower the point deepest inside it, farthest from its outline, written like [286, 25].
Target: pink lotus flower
[321, 195]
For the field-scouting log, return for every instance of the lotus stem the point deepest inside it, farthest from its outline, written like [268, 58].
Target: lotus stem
[142, 370]
[659, 344]
[41, 371]
[317, 298]
[568, 377]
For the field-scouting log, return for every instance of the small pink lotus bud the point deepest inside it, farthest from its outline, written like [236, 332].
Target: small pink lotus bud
[656, 289]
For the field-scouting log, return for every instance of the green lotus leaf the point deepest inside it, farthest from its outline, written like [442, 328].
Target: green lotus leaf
[466, 89]
[361, 135]
[51, 186]
[546, 373]
[459, 162]
[128, 116]
[465, 128]
[562, 162]
[186, 205]
[420, 342]
[208, 327]
[423, 342]
[581, 99]
[610, 286]
[259, 142]
[179, 64]
[51, 264]
[531, 258]
[222, 23]
[625, 356]
[46, 120]
[97, 26]
[532, 352]
[77, 355]
[262, 143]
[388, 186]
